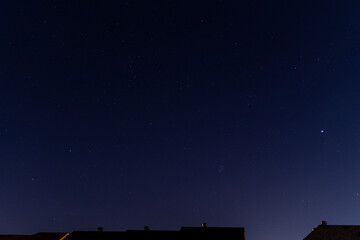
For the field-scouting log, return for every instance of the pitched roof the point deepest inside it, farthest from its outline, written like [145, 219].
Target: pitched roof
[335, 232]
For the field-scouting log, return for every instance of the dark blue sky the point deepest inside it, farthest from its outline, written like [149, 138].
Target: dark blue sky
[172, 113]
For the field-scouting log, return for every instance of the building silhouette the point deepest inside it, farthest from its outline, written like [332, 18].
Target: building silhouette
[203, 231]
[37, 236]
[334, 232]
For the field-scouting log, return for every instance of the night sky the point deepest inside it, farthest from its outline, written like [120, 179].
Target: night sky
[165, 113]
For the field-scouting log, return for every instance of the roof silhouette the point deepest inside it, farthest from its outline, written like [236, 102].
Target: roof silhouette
[334, 232]
[224, 232]
[37, 236]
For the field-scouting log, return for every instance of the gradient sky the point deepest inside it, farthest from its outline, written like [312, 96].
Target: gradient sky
[166, 113]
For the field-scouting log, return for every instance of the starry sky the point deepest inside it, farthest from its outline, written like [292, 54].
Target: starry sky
[165, 113]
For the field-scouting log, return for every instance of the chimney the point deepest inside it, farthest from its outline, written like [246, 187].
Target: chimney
[323, 224]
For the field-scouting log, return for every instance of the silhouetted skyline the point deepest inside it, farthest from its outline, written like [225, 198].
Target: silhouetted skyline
[123, 114]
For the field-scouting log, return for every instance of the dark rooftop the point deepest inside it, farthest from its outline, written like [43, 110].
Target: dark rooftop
[334, 232]
[225, 232]
[37, 236]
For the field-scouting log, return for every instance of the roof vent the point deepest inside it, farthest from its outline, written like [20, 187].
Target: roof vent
[204, 225]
